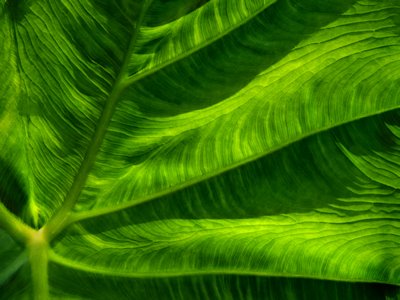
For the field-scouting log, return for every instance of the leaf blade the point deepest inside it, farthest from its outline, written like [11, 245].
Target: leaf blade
[151, 139]
[248, 220]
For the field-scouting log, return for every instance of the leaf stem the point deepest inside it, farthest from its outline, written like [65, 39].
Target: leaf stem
[38, 257]
[18, 230]
[60, 219]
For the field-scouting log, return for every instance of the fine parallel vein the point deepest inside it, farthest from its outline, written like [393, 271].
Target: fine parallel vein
[56, 223]
[205, 43]
[54, 258]
[79, 216]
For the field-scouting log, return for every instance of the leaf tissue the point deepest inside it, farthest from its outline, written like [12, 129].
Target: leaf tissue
[194, 149]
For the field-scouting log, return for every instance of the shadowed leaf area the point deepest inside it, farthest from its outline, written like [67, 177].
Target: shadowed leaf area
[221, 149]
[11, 192]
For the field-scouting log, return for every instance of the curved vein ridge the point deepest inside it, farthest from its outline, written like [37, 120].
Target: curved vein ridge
[59, 219]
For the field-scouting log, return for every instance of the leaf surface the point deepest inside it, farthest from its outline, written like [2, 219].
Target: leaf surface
[323, 226]
[212, 149]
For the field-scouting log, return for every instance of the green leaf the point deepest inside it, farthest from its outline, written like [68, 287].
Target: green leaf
[222, 149]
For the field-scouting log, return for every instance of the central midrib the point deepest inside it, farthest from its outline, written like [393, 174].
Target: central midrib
[57, 222]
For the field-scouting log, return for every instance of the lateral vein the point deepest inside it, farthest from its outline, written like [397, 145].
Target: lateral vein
[84, 215]
[59, 219]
